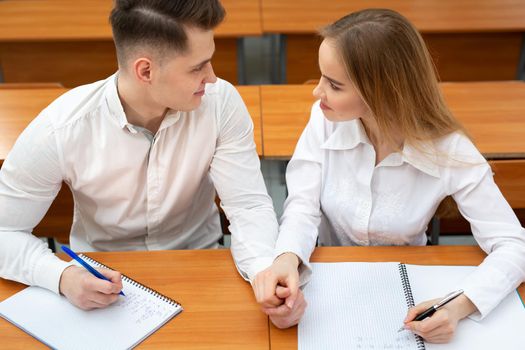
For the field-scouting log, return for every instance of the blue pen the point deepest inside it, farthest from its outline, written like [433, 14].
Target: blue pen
[86, 265]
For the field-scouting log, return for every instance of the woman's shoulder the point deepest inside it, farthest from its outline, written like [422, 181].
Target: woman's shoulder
[457, 144]
[460, 158]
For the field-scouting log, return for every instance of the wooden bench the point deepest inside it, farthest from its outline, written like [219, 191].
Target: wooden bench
[468, 39]
[19, 106]
[71, 42]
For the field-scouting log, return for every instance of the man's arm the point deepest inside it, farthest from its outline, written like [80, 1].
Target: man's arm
[235, 171]
[30, 179]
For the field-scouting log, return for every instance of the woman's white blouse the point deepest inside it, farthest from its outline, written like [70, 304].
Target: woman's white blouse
[338, 195]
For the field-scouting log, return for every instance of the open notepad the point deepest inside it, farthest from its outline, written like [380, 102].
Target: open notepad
[53, 320]
[362, 305]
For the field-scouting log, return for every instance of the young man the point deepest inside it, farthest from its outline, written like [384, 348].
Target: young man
[143, 153]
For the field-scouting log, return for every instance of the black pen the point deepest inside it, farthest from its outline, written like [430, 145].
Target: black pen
[430, 311]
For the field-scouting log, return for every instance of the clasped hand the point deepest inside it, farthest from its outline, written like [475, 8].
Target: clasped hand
[277, 291]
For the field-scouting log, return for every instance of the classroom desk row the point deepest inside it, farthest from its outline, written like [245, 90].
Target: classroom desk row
[468, 39]
[492, 112]
[70, 42]
[220, 311]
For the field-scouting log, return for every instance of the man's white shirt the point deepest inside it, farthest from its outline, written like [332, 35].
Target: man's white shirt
[134, 190]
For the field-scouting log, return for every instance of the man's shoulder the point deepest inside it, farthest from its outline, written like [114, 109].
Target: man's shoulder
[76, 103]
[221, 90]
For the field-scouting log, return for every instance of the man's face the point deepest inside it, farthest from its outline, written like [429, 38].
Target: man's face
[179, 80]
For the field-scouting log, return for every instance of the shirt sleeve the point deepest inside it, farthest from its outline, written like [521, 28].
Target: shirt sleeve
[301, 218]
[30, 179]
[494, 226]
[235, 172]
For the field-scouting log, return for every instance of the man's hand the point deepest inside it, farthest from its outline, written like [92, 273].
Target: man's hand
[283, 316]
[277, 291]
[87, 291]
[440, 327]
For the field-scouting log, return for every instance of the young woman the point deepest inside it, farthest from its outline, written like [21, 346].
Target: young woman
[379, 154]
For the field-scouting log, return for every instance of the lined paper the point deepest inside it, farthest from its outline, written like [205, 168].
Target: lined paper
[53, 320]
[354, 306]
[362, 305]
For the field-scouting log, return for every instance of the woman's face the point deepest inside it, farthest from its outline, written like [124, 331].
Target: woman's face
[340, 100]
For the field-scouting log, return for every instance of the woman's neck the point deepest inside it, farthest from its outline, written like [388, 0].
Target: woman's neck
[382, 146]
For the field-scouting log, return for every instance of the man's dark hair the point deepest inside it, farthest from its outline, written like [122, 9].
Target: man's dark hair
[159, 24]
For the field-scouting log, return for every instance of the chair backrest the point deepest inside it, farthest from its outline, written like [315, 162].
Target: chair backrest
[509, 175]
[11, 86]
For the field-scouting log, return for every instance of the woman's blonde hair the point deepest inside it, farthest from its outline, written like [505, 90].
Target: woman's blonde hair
[389, 64]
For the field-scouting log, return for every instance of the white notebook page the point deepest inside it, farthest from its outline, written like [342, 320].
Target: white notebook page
[335, 320]
[502, 329]
[52, 319]
[354, 306]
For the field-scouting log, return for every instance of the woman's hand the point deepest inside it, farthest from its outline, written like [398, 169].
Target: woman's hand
[440, 327]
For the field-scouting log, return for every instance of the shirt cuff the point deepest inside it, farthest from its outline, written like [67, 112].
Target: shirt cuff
[255, 267]
[486, 289]
[48, 272]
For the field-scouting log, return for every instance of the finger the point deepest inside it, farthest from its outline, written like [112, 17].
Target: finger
[101, 300]
[280, 311]
[293, 284]
[440, 334]
[272, 302]
[269, 288]
[114, 276]
[416, 310]
[95, 284]
[265, 301]
[282, 292]
[426, 326]
[286, 321]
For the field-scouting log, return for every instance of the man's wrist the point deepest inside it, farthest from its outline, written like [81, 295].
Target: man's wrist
[290, 258]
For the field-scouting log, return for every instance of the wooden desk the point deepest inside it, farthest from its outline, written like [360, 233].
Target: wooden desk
[252, 97]
[220, 311]
[468, 39]
[18, 107]
[492, 112]
[435, 255]
[70, 42]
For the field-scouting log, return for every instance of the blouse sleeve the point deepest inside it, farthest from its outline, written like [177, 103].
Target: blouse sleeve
[302, 215]
[494, 226]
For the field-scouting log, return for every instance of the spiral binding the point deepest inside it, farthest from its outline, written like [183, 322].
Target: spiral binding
[407, 290]
[134, 283]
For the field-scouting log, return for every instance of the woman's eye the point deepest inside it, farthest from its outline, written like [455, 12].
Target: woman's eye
[334, 87]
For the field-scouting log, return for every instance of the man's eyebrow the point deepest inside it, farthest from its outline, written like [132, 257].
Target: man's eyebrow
[335, 82]
[201, 63]
[205, 61]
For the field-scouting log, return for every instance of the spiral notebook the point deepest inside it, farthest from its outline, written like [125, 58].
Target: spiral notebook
[54, 321]
[362, 305]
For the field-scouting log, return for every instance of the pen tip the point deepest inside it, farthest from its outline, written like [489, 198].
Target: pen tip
[401, 329]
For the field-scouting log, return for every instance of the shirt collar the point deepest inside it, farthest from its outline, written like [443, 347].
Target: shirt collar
[117, 111]
[348, 135]
[113, 101]
[423, 157]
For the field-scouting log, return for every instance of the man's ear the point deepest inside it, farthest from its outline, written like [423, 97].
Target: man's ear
[142, 69]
